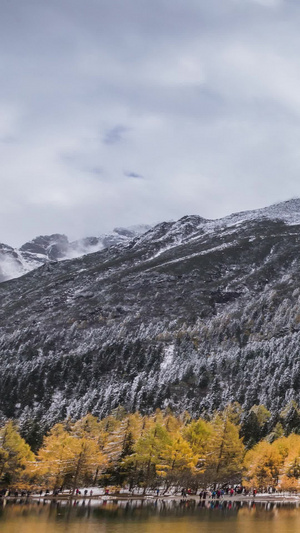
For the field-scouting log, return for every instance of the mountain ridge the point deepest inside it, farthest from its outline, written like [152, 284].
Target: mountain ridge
[15, 262]
[190, 315]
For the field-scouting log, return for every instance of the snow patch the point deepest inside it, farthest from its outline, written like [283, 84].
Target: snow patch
[168, 358]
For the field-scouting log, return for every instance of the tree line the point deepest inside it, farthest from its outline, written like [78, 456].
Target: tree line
[160, 449]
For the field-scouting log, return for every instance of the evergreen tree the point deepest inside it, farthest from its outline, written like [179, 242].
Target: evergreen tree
[255, 425]
[290, 418]
[32, 433]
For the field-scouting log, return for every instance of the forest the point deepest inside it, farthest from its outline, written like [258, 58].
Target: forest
[190, 326]
[157, 450]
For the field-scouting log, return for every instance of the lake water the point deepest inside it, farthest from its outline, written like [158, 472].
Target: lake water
[148, 517]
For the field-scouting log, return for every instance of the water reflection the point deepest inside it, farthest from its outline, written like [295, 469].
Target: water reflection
[174, 516]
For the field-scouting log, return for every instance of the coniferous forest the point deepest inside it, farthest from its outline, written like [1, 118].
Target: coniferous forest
[180, 323]
[157, 450]
[192, 315]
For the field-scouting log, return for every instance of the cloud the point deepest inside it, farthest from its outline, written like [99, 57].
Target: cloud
[268, 3]
[115, 134]
[200, 97]
[98, 171]
[133, 175]
[8, 139]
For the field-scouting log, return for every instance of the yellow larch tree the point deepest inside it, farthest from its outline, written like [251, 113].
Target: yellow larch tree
[147, 455]
[15, 453]
[262, 466]
[68, 460]
[54, 460]
[177, 462]
[225, 451]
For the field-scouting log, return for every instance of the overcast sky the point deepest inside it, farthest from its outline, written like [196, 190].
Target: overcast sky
[117, 112]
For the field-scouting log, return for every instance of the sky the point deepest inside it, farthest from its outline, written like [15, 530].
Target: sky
[120, 112]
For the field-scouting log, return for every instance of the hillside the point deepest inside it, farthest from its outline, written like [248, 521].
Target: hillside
[191, 315]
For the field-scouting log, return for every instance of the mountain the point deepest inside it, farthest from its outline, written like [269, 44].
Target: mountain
[16, 262]
[192, 314]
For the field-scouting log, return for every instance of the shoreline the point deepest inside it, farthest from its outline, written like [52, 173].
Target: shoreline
[261, 498]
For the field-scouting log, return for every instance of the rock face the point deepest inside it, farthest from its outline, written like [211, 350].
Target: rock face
[16, 262]
[191, 314]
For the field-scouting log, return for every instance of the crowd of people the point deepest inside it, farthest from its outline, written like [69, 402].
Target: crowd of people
[204, 494]
[216, 494]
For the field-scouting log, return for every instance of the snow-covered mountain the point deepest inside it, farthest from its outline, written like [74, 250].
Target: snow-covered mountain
[191, 314]
[16, 262]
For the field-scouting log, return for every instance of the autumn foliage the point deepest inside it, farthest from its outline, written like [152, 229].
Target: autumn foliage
[160, 449]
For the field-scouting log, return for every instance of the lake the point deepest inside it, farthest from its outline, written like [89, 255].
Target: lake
[148, 517]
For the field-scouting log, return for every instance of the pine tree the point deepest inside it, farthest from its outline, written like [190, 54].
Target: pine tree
[123, 471]
[255, 425]
[32, 433]
[290, 418]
